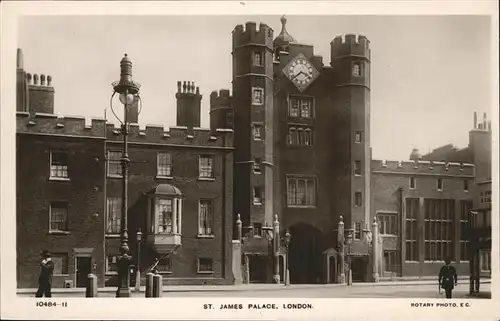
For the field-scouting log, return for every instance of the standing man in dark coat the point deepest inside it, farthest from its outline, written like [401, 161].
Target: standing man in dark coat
[448, 278]
[45, 278]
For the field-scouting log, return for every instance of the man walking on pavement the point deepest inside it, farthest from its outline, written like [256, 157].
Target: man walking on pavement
[447, 278]
[45, 278]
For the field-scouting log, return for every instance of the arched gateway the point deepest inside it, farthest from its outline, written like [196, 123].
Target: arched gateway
[306, 258]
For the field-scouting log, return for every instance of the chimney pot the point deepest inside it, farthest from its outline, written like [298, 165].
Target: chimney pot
[49, 80]
[35, 79]
[28, 77]
[184, 87]
[179, 86]
[42, 80]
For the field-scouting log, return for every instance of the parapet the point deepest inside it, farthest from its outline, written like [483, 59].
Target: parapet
[175, 135]
[420, 167]
[251, 35]
[50, 124]
[350, 45]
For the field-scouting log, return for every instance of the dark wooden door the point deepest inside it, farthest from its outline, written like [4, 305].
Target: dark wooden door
[83, 269]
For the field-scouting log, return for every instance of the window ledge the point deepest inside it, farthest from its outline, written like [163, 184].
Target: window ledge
[205, 272]
[111, 273]
[429, 261]
[205, 236]
[388, 235]
[163, 177]
[302, 206]
[114, 176]
[358, 175]
[211, 179]
[163, 272]
[257, 204]
[60, 179]
[64, 275]
[112, 236]
[412, 262]
[59, 232]
[257, 173]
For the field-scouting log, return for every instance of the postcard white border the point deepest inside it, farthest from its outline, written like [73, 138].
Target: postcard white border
[176, 308]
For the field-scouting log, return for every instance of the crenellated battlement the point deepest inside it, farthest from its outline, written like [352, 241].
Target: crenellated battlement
[176, 135]
[250, 34]
[71, 126]
[422, 167]
[350, 45]
[50, 124]
[221, 99]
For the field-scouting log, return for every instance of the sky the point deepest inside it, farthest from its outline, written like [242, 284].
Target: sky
[428, 73]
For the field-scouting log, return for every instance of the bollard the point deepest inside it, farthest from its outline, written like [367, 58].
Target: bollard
[91, 291]
[149, 285]
[157, 285]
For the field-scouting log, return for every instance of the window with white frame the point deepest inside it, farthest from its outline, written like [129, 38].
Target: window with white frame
[413, 183]
[358, 137]
[307, 137]
[59, 165]
[205, 265]
[206, 218]
[358, 199]
[301, 191]
[357, 168]
[438, 229]
[165, 216]
[412, 213]
[257, 132]
[257, 96]
[111, 264]
[164, 164]
[439, 184]
[61, 263]
[114, 213]
[356, 70]
[256, 166]
[388, 223]
[300, 107]
[257, 59]
[206, 166]
[114, 163]
[465, 207]
[58, 216]
[257, 195]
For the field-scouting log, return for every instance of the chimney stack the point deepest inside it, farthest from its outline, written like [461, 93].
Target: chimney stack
[188, 105]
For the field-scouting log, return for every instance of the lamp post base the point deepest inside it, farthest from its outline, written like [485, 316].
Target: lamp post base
[349, 278]
[123, 290]
[287, 277]
[137, 281]
[376, 277]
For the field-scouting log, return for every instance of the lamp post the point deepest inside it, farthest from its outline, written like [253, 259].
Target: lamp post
[288, 236]
[349, 254]
[128, 91]
[138, 271]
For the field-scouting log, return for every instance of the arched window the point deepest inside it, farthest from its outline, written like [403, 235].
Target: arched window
[292, 136]
[308, 137]
[300, 132]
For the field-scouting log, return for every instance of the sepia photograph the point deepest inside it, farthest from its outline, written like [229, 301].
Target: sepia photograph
[222, 161]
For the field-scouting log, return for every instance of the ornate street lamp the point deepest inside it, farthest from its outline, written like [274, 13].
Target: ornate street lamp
[137, 268]
[288, 237]
[128, 92]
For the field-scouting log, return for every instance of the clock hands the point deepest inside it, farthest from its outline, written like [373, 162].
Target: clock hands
[301, 72]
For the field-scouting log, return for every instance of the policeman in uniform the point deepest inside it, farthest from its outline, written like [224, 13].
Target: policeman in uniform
[447, 278]
[45, 278]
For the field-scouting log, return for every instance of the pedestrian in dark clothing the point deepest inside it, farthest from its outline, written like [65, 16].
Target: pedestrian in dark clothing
[45, 278]
[447, 278]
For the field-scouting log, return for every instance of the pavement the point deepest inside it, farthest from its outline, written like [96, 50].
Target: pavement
[394, 289]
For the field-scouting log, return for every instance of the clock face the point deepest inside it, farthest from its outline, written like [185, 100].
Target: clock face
[301, 72]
